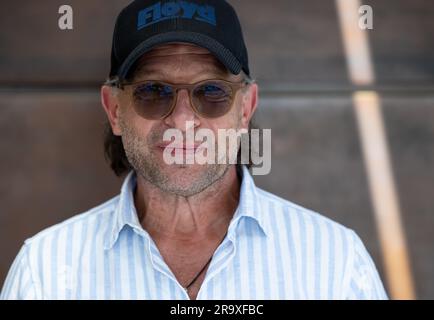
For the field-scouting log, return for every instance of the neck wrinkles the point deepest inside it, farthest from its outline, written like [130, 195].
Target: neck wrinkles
[206, 214]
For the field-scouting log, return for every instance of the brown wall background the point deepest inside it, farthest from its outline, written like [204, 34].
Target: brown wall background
[52, 163]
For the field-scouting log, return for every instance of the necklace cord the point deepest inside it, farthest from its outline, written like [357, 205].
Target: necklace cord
[204, 267]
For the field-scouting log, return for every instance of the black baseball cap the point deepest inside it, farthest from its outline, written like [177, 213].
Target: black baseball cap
[211, 24]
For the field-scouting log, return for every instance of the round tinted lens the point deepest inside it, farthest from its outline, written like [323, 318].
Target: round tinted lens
[212, 99]
[152, 100]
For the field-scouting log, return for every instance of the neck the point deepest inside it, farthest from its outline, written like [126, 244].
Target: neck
[204, 215]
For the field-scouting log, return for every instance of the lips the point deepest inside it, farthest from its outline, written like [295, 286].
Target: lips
[183, 149]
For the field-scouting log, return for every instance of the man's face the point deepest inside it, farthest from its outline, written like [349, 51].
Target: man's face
[143, 138]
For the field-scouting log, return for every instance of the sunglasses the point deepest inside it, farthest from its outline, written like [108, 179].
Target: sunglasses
[156, 100]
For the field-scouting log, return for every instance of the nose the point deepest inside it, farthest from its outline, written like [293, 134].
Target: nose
[182, 112]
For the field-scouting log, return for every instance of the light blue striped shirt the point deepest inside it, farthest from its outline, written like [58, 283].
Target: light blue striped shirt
[274, 249]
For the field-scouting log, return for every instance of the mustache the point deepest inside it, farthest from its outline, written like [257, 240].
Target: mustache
[156, 136]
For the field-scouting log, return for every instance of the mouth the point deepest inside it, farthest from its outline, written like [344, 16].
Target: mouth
[179, 148]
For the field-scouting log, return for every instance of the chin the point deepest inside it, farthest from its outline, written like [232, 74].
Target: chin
[185, 173]
[187, 180]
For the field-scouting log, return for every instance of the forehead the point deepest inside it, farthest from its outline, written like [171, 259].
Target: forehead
[184, 55]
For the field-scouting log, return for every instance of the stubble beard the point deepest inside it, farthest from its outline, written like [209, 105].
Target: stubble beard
[178, 179]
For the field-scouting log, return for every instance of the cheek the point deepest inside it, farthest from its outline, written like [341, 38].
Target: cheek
[236, 114]
[133, 125]
[143, 128]
[228, 121]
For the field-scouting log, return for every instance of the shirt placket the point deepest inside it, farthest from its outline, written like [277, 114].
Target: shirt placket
[161, 266]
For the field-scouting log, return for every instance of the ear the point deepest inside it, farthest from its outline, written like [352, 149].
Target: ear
[110, 103]
[249, 105]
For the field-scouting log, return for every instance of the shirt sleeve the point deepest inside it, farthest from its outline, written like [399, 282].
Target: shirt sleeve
[364, 281]
[19, 284]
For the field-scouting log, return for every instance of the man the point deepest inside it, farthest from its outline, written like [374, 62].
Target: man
[187, 231]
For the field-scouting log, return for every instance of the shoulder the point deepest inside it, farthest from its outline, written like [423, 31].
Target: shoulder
[51, 252]
[309, 233]
[90, 222]
[302, 218]
[333, 250]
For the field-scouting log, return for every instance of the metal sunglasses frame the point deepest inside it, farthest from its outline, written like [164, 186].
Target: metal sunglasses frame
[235, 87]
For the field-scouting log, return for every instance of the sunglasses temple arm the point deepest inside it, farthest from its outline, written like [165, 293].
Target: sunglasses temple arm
[115, 82]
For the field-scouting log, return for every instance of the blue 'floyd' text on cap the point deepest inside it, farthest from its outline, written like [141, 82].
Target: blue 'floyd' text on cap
[169, 10]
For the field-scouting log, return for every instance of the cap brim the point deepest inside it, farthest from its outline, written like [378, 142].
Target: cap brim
[216, 48]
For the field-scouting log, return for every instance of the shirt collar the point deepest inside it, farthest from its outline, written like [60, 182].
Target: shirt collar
[125, 212]
[249, 205]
